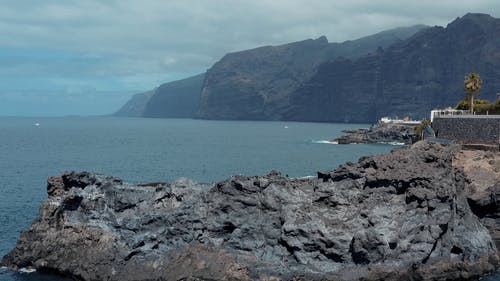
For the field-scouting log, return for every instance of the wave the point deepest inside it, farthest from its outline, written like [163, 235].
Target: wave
[393, 143]
[324, 142]
[27, 270]
[306, 177]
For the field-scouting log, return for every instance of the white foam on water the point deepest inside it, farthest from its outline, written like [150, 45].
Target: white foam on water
[393, 143]
[307, 177]
[324, 142]
[27, 270]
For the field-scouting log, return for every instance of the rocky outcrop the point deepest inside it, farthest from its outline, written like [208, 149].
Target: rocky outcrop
[381, 133]
[398, 216]
[482, 168]
[176, 99]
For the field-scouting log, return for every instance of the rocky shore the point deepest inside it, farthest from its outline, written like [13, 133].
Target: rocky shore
[381, 133]
[407, 215]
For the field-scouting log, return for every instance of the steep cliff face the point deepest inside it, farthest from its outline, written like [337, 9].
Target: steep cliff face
[407, 79]
[400, 72]
[256, 84]
[243, 85]
[135, 106]
[176, 99]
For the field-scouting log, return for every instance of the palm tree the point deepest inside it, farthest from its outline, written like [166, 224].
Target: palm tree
[472, 85]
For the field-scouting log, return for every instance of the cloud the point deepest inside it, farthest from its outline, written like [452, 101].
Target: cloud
[152, 30]
[128, 40]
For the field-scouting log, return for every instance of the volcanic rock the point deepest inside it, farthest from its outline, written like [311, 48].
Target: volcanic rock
[397, 216]
[482, 169]
[381, 133]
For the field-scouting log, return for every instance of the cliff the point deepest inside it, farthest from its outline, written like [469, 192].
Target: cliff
[238, 86]
[400, 72]
[397, 216]
[176, 99]
[135, 106]
[409, 78]
[257, 84]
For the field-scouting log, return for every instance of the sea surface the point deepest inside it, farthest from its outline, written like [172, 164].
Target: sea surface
[146, 150]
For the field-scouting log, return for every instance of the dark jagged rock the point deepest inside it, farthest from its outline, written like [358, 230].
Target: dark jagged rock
[353, 136]
[482, 168]
[381, 133]
[398, 216]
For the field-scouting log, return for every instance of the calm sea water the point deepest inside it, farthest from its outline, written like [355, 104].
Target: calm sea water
[143, 150]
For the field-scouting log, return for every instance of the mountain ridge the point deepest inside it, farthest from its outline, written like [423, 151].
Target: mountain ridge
[399, 72]
[410, 78]
[136, 107]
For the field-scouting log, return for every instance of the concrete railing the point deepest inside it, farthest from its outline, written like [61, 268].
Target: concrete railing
[438, 113]
[470, 116]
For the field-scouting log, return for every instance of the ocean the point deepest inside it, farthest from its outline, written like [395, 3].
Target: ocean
[147, 150]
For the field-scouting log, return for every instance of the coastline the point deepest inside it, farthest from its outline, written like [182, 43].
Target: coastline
[218, 222]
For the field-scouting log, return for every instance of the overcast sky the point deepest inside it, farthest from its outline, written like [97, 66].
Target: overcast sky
[88, 57]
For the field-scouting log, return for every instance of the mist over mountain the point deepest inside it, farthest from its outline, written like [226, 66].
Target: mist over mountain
[399, 72]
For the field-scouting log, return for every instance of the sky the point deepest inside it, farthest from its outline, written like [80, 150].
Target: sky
[88, 57]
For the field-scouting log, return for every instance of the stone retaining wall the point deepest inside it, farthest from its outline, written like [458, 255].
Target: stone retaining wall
[468, 130]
